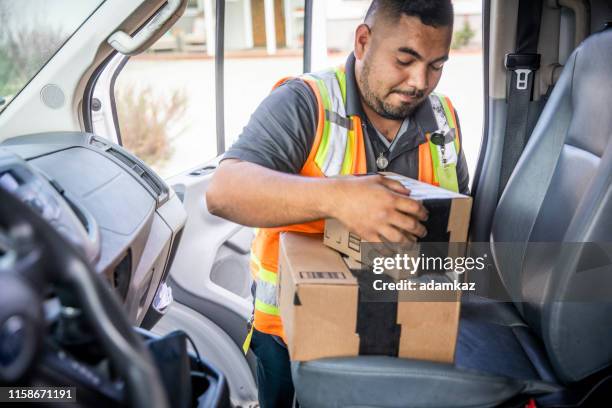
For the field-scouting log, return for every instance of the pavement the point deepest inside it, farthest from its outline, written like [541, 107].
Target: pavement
[249, 79]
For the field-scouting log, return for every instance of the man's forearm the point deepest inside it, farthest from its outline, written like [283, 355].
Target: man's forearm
[253, 195]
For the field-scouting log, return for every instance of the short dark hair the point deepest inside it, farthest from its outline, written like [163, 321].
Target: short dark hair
[436, 13]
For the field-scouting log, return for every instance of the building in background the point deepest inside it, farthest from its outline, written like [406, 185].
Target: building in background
[343, 16]
[273, 25]
[249, 24]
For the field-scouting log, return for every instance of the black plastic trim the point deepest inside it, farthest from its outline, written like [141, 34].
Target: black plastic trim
[307, 35]
[486, 11]
[111, 95]
[154, 184]
[219, 76]
[514, 61]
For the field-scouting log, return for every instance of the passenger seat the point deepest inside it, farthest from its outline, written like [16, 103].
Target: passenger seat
[558, 328]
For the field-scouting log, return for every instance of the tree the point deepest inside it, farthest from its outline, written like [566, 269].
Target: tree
[24, 49]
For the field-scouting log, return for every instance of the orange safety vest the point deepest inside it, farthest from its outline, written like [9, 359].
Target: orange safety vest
[338, 149]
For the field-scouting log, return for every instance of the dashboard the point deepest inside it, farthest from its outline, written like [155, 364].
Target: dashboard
[109, 204]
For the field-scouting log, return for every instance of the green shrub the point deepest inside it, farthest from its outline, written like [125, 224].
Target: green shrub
[462, 37]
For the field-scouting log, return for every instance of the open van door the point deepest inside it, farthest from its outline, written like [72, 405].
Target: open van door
[107, 207]
[210, 277]
[48, 52]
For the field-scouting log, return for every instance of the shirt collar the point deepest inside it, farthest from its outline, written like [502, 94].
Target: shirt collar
[353, 98]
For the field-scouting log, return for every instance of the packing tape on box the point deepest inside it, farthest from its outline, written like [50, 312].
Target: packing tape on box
[437, 227]
[379, 333]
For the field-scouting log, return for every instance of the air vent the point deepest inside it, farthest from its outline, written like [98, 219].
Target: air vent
[154, 184]
[122, 158]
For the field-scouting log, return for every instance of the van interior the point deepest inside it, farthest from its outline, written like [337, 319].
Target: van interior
[118, 282]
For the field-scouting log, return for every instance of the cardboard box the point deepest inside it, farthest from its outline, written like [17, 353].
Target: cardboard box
[324, 313]
[449, 219]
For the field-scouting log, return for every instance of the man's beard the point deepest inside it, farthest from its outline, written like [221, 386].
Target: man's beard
[387, 110]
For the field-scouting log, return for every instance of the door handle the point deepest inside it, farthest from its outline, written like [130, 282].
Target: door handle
[159, 24]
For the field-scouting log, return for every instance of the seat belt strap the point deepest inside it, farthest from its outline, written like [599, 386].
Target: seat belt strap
[521, 67]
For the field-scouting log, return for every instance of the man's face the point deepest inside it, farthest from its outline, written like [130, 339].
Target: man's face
[399, 64]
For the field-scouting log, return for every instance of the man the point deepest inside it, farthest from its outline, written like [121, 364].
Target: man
[375, 113]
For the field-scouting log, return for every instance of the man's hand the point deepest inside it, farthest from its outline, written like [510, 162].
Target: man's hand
[378, 209]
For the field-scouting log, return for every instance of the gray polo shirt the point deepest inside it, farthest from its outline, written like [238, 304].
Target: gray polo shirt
[282, 129]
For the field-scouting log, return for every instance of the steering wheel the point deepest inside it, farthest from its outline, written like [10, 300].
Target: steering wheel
[35, 257]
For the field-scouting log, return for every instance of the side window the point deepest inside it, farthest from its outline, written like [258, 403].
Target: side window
[463, 77]
[165, 97]
[31, 32]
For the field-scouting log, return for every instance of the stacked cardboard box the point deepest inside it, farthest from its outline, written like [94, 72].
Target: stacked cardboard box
[449, 218]
[329, 306]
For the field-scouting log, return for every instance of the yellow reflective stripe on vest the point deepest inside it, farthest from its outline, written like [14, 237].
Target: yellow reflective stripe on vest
[445, 175]
[349, 152]
[450, 118]
[336, 149]
[265, 308]
[337, 140]
[347, 164]
[263, 273]
[265, 292]
[322, 152]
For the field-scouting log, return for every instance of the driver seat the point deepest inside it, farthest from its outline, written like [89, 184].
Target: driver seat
[557, 330]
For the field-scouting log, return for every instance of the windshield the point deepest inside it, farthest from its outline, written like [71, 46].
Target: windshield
[31, 32]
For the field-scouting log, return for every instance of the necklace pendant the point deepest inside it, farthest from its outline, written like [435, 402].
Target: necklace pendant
[382, 162]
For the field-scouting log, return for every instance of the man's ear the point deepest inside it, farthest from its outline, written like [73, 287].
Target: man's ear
[362, 40]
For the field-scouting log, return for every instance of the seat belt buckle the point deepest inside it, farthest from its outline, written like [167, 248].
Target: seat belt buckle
[522, 78]
[523, 65]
